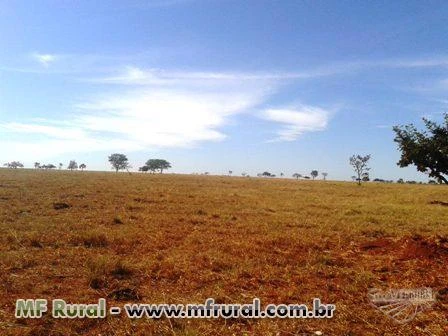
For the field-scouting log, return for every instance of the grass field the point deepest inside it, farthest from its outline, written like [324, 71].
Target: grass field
[146, 238]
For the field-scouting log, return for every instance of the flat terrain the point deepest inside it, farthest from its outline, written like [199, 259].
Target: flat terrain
[80, 236]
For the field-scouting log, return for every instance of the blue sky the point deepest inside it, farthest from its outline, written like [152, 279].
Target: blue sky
[218, 85]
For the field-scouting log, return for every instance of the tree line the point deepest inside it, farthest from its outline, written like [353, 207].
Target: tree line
[427, 150]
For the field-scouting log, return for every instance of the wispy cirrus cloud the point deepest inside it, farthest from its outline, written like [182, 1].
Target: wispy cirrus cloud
[179, 111]
[297, 120]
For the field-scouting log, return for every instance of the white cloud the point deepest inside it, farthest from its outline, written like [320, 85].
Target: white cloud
[297, 120]
[131, 75]
[45, 59]
[174, 112]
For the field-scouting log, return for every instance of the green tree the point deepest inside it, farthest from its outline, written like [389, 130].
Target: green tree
[72, 165]
[314, 174]
[360, 166]
[119, 162]
[427, 150]
[157, 164]
[82, 166]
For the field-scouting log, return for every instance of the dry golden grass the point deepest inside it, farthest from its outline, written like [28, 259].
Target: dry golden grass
[146, 238]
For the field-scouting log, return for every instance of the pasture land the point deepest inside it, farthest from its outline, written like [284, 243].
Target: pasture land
[81, 236]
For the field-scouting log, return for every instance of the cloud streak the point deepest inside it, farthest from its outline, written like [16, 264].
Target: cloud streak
[297, 120]
[166, 111]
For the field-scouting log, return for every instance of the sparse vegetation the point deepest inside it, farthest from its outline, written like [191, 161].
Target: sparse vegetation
[187, 238]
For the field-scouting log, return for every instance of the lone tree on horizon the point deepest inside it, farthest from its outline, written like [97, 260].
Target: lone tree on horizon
[427, 150]
[324, 176]
[72, 165]
[314, 174]
[297, 175]
[82, 166]
[157, 164]
[360, 166]
[119, 162]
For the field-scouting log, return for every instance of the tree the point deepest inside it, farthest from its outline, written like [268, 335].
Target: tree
[314, 174]
[266, 174]
[82, 166]
[281, 174]
[60, 165]
[119, 162]
[158, 164]
[230, 172]
[49, 166]
[72, 165]
[36, 165]
[427, 150]
[324, 176]
[297, 175]
[14, 164]
[360, 166]
[143, 169]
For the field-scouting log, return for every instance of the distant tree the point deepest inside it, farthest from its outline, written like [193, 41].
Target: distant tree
[400, 181]
[60, 165]
[82, 166]
[427, 150]
[306, 177]
[324, 176]
[314, 174]
[266, 174]
[281, 174]
[432, 182]
[14, 164]
[36, 165]
[119, 162]
[244, 174]
[144, 169]
[411, 182]
[158, 164]
[365, 177]
[49, 166]
[296, 175]
[72, 165]
[360, 166]
[230, 172]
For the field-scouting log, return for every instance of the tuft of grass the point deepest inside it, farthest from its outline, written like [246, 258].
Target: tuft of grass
[98, 269]
[91, 239]
[122, 270]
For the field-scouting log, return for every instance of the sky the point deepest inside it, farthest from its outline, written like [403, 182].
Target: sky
[217, 85]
